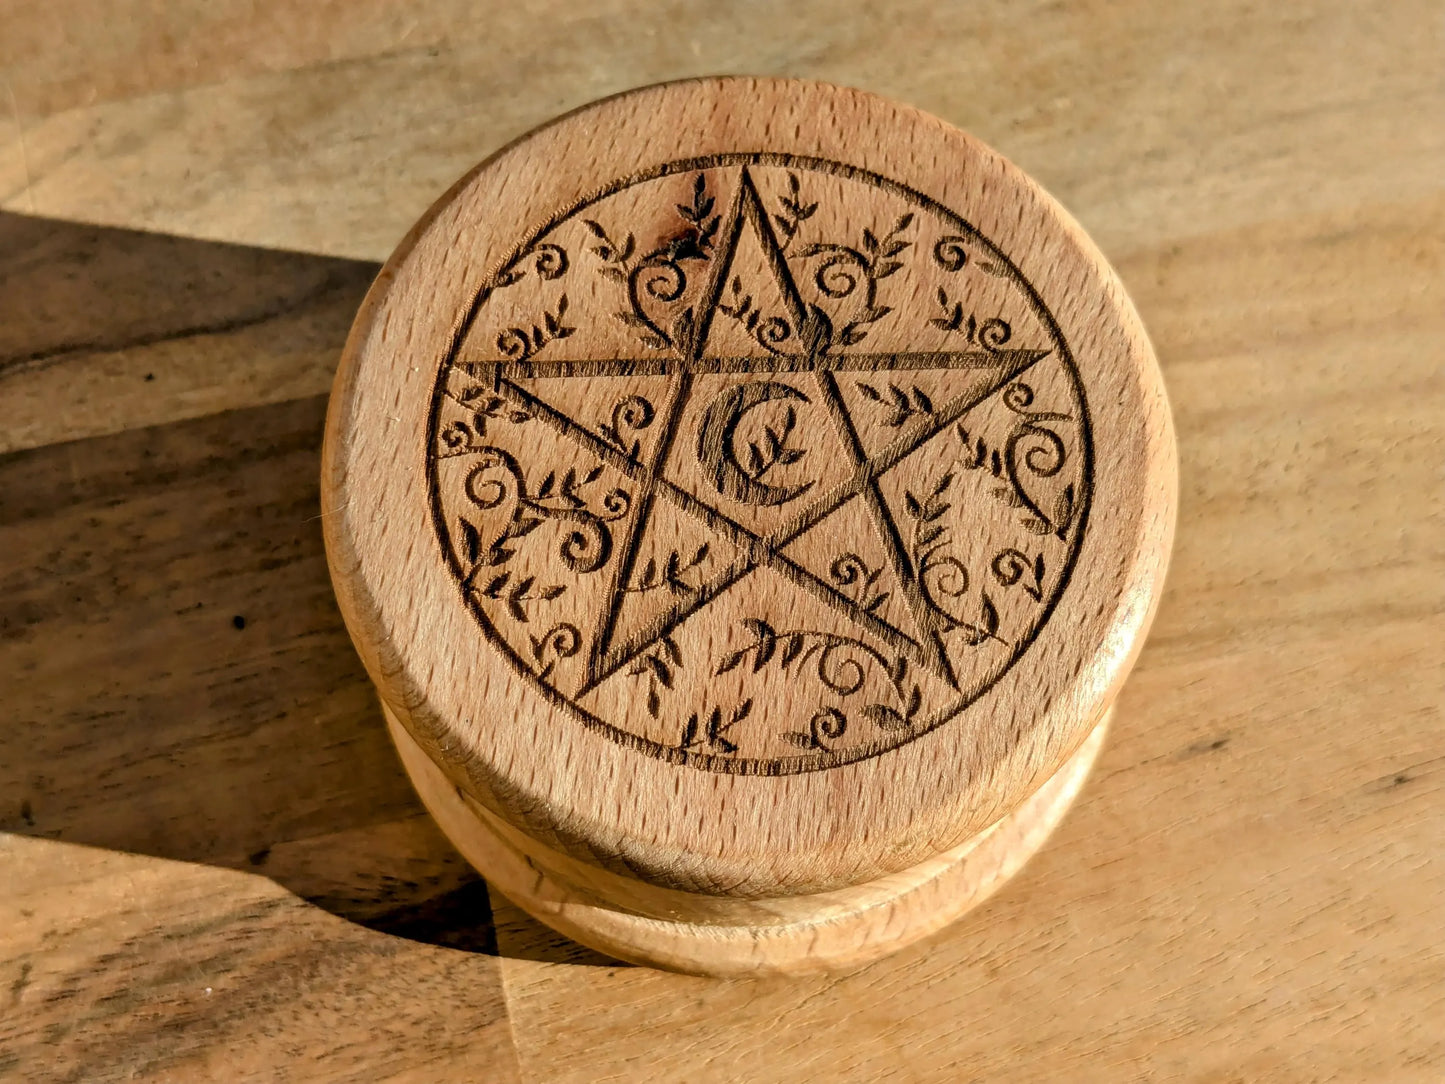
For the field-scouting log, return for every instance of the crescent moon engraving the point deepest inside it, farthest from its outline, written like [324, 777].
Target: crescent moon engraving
[716, 451]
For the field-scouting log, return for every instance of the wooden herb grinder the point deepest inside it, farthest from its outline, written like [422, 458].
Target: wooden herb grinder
[748, 497]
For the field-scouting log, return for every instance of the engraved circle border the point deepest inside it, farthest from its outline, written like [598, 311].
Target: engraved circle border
[754, 765]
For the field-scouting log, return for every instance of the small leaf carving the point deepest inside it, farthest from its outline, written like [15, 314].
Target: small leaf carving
[471, 540]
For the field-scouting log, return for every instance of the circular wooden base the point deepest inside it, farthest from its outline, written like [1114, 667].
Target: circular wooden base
[681, 931]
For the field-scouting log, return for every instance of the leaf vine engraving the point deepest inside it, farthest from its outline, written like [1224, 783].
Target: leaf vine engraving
[695, 240]
[774, 451]
[520, 344]
[1013, 566]
[519, 593]
[794, 212]
[837, 666]
[769, 332]
[660, 275]
[671, 573]
[941, 575]
[465, 437]
[903, 404]
[846, 271]
[658, 664]
[616, 256]
[709, 727]
[841, 664]
[559, 642]
[991, 334]
[938, 571]
[885, 717]
[498, 477]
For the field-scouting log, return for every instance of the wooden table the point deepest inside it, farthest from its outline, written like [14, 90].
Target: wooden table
[211, 865]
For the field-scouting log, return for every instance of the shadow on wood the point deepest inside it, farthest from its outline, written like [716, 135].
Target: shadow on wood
[178, 680]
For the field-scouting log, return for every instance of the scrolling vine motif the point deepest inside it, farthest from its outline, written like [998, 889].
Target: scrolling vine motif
[770, 331]
[950, 252]
[660, 274]
[837, 667]
[1033, 449]
[852, 573]
[841, 665]
[464, 437]
[519, 343]
[497, 477]
[992, 334]
[846, 271]
[941, 575]
[548, 261]
[1011, 566]
[561, 641]
[631, 414]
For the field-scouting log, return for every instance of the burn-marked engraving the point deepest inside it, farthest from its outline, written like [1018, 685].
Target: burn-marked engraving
[759, 464]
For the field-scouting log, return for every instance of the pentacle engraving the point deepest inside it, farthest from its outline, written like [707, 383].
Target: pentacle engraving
[758, 463]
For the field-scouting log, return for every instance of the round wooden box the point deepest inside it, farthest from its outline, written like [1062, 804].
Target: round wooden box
[748, 497]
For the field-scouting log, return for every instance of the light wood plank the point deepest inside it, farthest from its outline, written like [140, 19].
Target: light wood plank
[123, 967]
[103, 330]
[1148, 121]
[146, 722]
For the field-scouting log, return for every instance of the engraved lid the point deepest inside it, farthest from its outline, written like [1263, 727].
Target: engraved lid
[751, 487]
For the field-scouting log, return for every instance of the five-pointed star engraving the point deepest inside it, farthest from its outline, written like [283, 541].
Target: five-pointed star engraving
[755, 550]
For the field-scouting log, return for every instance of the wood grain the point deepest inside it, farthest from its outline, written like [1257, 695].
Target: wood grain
[1249, 889]
[192, 697]
[1149, 124]
[129, 967]
[1170, 930]
[100, 329]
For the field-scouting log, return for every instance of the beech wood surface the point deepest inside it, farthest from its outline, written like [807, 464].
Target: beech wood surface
[792, 935]
[1248, 888]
